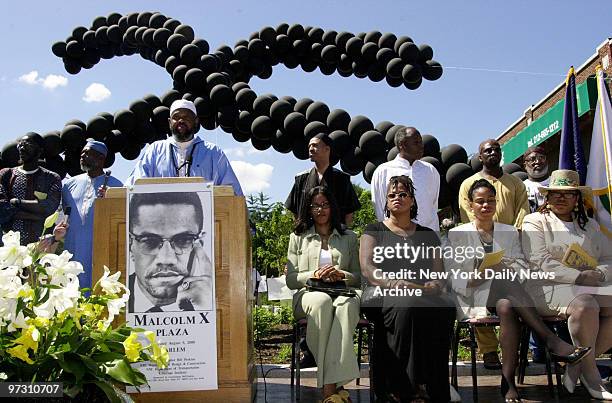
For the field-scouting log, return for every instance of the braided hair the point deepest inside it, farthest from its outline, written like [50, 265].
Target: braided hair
[409, 185]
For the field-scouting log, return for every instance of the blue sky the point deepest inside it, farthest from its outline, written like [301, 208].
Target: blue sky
[464, 106]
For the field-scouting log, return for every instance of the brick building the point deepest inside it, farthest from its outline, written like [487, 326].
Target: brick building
[541, 123]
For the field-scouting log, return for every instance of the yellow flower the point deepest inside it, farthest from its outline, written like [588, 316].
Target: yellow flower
[101, 326]
[41, 322]
[29, 338]
[27, 293]
[20, 352]
[161, 357]
[160, 353]
[132, 347]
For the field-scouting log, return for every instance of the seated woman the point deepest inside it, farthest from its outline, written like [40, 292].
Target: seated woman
[547, 234]
[503, 295]
[417, 317]
[320, 248]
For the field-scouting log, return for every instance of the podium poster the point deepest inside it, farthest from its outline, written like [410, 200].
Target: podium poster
[170, 253]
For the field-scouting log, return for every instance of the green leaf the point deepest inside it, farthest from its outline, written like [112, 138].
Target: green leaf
[49, 221]
[73, 364]
[107, 357]
[123, 372]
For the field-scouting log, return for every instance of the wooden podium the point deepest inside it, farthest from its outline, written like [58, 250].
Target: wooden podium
[235, 355]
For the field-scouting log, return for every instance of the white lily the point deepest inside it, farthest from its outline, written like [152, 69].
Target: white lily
[113, 306]
[13, 253]
[60, 268]
[60, 299]
[110, 283]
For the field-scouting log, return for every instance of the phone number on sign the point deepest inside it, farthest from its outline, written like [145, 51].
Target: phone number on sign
[26, 389]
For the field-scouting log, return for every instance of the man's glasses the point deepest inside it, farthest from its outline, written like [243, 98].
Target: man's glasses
[557, 195]
[152, 244]
[401, 195]
[536, 158]
[317, 207]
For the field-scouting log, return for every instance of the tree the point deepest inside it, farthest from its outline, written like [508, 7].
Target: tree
[272, 224]
[365, 215]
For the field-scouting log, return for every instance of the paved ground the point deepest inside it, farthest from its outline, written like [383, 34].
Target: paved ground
[534, 390]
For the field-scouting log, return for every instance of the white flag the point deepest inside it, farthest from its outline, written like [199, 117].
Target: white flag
[599, 170]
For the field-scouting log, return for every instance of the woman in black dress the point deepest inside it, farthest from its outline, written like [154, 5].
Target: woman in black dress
[418, 322]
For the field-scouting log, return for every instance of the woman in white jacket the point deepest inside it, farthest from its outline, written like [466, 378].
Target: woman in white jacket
[575, 292]
[499, 289]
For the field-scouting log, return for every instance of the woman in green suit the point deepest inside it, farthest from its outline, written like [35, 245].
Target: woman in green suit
[319, 248]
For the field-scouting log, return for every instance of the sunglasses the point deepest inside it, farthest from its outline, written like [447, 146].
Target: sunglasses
[401, 195]
[152, 244]
[316, 207]
[557, 195]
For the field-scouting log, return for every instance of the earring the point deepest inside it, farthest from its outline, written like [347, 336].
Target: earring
[548, 206]
[576, 209]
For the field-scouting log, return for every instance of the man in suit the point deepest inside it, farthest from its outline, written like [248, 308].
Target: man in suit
[171, 270]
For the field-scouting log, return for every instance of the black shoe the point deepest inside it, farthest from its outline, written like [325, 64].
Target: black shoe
[504, 388]
[578, 354]
[491, 361]
[307, 361]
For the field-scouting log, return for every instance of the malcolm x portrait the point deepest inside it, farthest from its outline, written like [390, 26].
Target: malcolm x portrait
[170, 269]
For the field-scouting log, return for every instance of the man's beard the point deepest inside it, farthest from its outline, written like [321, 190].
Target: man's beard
[85, 167]
[182, 137]
[539, 173]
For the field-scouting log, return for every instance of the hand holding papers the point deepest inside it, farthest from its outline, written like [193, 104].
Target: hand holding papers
[577, 258]
[491, 259]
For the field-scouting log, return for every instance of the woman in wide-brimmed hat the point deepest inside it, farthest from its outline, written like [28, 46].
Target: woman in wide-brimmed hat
[547, 235]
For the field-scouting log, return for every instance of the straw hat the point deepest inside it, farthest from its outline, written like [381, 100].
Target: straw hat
[566, 179]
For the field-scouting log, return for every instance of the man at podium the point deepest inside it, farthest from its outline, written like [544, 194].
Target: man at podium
[185, 155]
[171, 271]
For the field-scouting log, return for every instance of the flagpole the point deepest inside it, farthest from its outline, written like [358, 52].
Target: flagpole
[604, 134]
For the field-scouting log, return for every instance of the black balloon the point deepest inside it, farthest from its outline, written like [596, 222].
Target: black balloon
[53, 144]
[359, 125]
[431, 146]
[10, 155]
[511, 167]
[314, 128]
[317, 111]
[338, 119]
[452, 154]
[436, 163]
[279, 110]
[294, 124]
[373, 144]
[457, 173]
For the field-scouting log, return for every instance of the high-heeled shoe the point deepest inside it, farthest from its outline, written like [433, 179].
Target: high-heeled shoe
[601, 393]
[578, 354]
[505, 387]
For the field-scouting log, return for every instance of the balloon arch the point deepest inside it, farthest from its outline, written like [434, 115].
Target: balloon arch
[217, 83]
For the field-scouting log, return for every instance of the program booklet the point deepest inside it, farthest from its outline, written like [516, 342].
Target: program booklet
[576, 257]
[491, 259]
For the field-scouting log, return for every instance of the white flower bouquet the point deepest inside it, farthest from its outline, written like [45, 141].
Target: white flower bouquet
[53, 331]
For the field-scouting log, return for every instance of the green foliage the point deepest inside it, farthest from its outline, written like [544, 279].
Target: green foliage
[284, 354]
[285, 315]
[365, 215]
[263, 322]
[273, 224]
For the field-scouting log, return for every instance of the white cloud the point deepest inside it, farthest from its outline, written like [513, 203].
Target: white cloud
[53, 81]
[253, 178]
[239, 152]
[243, 151]
[96, 92]
[50, 82]
[30, 78]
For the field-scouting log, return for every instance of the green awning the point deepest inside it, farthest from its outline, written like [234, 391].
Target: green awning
[549, 123]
